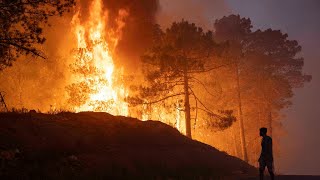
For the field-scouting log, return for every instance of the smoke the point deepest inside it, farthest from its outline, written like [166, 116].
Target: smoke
[144, 14]
[40, 84]
[201, 12]
[34, 83]
[137, 32]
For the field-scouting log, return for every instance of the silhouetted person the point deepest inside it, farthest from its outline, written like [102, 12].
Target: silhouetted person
[266, 157]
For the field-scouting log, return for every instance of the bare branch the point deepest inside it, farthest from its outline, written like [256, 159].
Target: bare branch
[213, 68]
[160, 100]
[206, 109]
[204, 86]
[28, 50]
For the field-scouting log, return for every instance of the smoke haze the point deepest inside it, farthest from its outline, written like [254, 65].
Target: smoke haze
[138, 27]
[40, 84]
[201, 12]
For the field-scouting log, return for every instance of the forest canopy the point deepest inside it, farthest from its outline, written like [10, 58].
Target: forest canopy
[233, 73]
[21, 26]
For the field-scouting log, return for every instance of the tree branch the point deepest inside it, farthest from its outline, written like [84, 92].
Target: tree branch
[213, 68]
[201, 83]
[206, 109]
[159, 100]
[34, 52]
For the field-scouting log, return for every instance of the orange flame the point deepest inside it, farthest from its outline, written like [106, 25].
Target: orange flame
[96, 45]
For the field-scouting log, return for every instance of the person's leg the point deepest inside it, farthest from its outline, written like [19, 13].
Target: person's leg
[262, 166]
[270, 169]
[261, 173]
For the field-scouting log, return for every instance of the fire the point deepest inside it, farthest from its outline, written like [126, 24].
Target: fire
[96, 76]
[97, 81]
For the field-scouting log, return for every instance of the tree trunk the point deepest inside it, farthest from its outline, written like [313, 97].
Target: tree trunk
[270, 123]
[235, 144]
[242, 135]
[259, 115]
[2, 102]
[186, 101]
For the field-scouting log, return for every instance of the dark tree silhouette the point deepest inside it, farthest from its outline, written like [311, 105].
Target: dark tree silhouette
[171, 66]
[267, 66]
[235, 30]
[21, 26]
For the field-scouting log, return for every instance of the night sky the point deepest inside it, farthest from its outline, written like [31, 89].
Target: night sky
[300, 147]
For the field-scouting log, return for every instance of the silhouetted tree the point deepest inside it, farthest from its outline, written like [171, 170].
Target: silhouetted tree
[267, 67]
[171, 65]
[21, 26]
[235, 30]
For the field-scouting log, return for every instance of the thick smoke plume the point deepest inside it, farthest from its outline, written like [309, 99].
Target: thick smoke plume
[137, 32]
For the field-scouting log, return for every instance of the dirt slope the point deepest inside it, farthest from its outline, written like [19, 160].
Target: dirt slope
[101, 146]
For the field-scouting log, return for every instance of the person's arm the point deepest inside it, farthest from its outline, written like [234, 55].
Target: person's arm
[271, 144]
[263, 148]
[269, 148]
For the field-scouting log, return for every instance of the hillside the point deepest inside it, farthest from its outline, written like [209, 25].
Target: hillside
[101, 146]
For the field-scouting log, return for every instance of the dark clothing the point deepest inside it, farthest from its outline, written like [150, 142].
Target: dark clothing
[266, 149]
[266, 157]
[263, 164]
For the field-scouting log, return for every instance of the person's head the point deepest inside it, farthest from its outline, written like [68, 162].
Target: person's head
[263, 131]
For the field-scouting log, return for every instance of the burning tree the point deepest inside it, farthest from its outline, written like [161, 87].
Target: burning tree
[21, 24]
[97, 84]
[171, 68]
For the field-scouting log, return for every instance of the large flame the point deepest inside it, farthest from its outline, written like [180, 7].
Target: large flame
[98, 86]
[94, 60]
